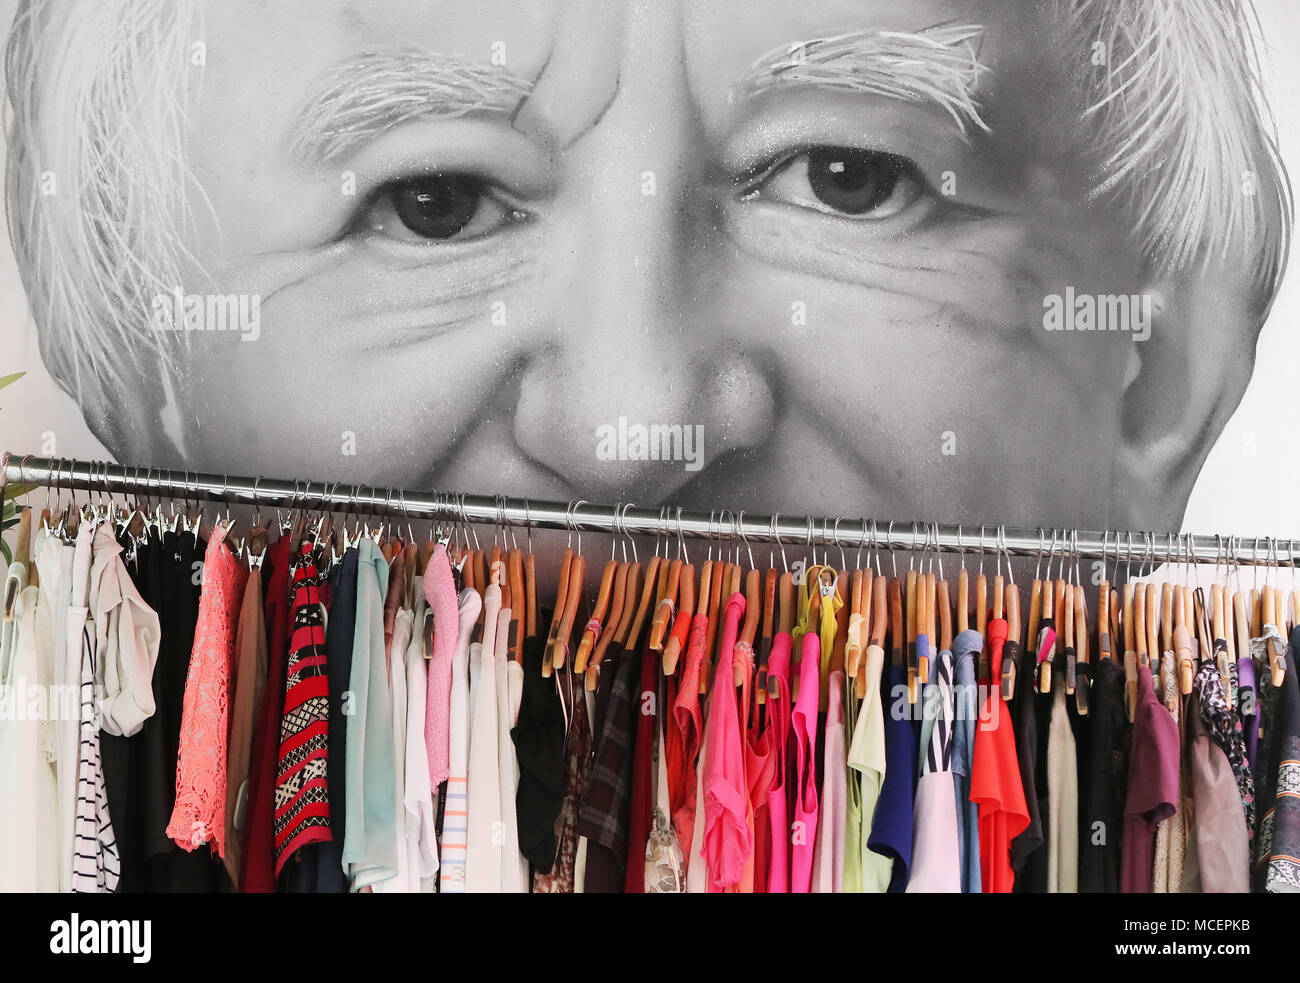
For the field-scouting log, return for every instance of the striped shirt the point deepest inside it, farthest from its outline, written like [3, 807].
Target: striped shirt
[96, 866]
[938, 709]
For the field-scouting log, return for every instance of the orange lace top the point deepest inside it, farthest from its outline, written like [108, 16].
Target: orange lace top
[199, 814]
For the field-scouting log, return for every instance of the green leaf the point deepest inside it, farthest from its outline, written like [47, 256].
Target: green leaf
[4, 548]
[13, 491]
[10, 379]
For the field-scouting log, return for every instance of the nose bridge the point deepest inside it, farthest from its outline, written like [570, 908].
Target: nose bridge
[632, 177]
[629, 388]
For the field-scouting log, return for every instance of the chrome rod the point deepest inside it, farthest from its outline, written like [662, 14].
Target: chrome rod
[722, 525]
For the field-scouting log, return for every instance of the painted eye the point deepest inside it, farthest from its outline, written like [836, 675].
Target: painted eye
[863, 185]
[439, 208]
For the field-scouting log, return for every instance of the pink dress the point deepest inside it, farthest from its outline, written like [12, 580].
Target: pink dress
[728, 840]
[803, 835]
[689, 716]
[199, 815]
[440, 592]
[778, 809]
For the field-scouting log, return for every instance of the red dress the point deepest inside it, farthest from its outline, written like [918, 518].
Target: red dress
[995, 777]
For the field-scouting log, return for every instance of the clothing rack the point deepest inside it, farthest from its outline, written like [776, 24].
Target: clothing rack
[1144, 548]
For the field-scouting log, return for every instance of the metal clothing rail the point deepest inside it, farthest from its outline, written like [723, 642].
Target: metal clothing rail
[844, 533]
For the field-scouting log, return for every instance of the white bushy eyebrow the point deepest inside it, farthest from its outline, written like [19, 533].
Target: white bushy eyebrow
[939, 65]
[370, 93]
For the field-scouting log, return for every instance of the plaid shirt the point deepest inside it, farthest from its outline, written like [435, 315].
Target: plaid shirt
[604, 816]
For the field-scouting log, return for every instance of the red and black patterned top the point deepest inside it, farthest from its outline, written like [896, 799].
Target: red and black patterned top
[302, 810]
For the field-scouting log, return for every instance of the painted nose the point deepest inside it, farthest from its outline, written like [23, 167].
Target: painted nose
[637, 391]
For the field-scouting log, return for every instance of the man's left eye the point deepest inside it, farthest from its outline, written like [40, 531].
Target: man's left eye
[864, 185]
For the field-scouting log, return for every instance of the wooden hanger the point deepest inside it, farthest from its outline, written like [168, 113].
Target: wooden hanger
[614, 612]
[1103, 616]
[945, 618]
[557, 616]
[667, 604]
[1242, 625]
[1220, 628]
[1035, 618]
[1276, 649]
[1153, 622]
[1067, 632]
[712, 600]
[518, 601]
[897, 626]
[853, 642]
[911, 636]
[1200, 618]
[1062, 599]
[1083, 686]
[648, 588]
[572, 598]
[593, 628]
[672, 648]
[1140, 626]
[530, 588]
[749, 626]
[765, 640]
[931, 601]
[1130, 650]
[785, 594]
[1011, 647]
[1046, 645]
[1166, 616]
[842, 584]
[963, 598]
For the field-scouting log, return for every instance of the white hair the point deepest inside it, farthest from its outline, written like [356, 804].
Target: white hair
[1181, 129]
[97, 181]
[99, 91]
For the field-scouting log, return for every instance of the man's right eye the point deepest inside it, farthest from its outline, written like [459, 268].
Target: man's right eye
[439, 208]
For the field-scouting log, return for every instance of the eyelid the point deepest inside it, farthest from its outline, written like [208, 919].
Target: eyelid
[809, 119]
[487, 149]
[783, 159]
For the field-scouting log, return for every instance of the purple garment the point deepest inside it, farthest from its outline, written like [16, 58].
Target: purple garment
[1152, 785]
[1249, 720]
[891, 829]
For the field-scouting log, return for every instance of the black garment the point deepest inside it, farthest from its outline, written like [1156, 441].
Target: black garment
[539, 744]
[604, 815]
[1277, 817]
[317, 868]
[171, 869]
[126, 759]
[1102, 780]
[1029, 723]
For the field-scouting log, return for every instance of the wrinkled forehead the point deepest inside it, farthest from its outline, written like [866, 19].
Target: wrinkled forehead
[272, 59]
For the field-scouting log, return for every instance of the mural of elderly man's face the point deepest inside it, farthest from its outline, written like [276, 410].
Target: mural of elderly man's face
[498, 247]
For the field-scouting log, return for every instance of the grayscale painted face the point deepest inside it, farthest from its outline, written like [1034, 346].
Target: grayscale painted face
[802, 250]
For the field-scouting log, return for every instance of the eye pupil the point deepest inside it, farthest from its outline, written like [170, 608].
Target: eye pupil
[437, 207]
[853, 181]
